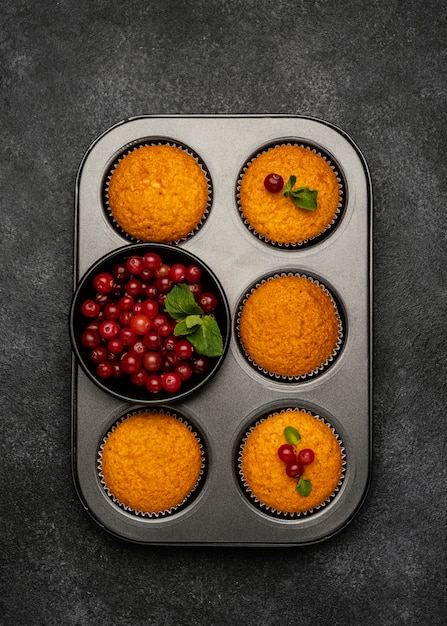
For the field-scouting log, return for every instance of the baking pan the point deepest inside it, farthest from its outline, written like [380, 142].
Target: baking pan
[224, 409]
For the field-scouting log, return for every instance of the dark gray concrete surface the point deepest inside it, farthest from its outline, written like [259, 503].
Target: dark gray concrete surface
[68, 71]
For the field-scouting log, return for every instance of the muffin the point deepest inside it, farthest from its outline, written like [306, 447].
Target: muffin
[289, 326]
[276, 218]
[151, 462]
[158, 193]
[264, 475]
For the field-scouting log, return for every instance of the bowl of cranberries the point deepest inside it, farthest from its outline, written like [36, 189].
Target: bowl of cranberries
[150, 323]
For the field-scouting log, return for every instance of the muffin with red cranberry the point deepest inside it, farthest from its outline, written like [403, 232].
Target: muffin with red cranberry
[290, 195]
[291, 463]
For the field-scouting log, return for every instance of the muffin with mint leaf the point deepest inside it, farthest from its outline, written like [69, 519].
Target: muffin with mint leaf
[291, 463]
[290, 195]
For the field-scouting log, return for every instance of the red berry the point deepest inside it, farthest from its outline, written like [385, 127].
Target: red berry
[134, 287]
[130, 363]
[199, 364]
[109, 329]
[306, 456]
[294, 469]
[98, 355]
[171, 382]
[183, 370]
[193, 274]
[152, 260]
[120, 273]
[139, 378]
[286, 453]
[152, 361]
[153, 383]
[207, 302]
[177, 273]
[134, 265]
[103, 282]
[140, 324]
[105, 369]
[273, 183]
[90, 308]
[183, 349]
[90, 339]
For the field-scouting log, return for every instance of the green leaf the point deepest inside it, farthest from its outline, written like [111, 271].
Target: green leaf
[304, 198]
[292, 435]
[304, 486]
[180, 302]
[206, 337]
[187, 325]
[288, 186]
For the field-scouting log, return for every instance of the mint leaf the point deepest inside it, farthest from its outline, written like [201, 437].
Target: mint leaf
[304, 198]
[206, 337]
[292, 435]
[288, 186]
[304, 486]
[187, 325]
[180, 302]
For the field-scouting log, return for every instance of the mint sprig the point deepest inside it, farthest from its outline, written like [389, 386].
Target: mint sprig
[304, 198]
[202, 330]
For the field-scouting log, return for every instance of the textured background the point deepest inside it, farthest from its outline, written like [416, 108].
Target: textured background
[68, 71]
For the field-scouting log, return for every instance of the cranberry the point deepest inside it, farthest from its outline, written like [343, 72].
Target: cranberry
[193, 274]
[90, 308]
[152, 260]
[207, 302]
[134, 265]
[153, 383]
[133, 287]
[130, 363]
[109, 329]
[184, 370]
[139, 378]
[163, 284]
[306, 456]
[103, 282]
[115, 345]
[177, 273]
[90, 339]
[199, 364]
[273, 183]
[171, 382]
[294, 469]
[286, 453]
[104, 369]
[120, 273]
[98, 355]
[152, 361]
[183, 349]
[140, 324]
[126, 303]
[112, 311]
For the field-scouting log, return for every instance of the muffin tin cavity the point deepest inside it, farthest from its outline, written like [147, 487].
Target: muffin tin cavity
[131, 148]
[261, 232]
[262, 415]
[268, 322]
[240, 392]
[163, 453]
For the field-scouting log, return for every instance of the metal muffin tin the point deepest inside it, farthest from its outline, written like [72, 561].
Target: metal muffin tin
[224, 409]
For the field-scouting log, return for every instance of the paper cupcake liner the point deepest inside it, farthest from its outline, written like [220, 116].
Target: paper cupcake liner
[328, 230]
[318, 370]
[190, 496]
[159, 142]
[264, 508]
